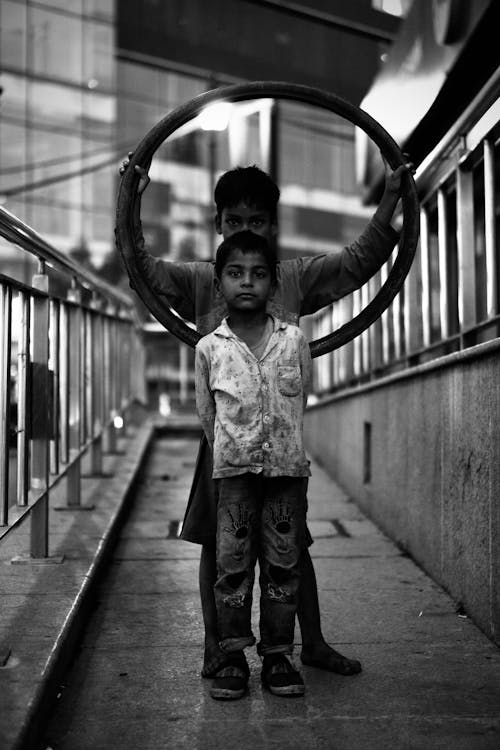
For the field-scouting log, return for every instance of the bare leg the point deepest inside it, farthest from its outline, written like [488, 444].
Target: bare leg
[213, 656]
[315, 650]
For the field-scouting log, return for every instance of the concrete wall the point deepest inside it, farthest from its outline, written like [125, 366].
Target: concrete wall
[432, 482]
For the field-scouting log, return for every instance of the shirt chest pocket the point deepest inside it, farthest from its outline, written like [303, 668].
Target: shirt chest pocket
[289, 380]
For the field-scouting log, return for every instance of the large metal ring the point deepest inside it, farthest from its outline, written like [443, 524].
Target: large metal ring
[144, 152]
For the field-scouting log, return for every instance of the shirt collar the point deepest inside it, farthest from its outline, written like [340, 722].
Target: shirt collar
[225, 332]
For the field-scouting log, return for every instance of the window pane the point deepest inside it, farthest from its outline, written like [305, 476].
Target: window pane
[73, 6]
[12, 156]
[98, 63]
[54, 105]
[98, 190]
[99, 116]
[13, 34]
[55, 45]
[13, 99]
[137, 80]
[104, 9]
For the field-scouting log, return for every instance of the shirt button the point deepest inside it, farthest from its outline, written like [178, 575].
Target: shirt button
[265, 445]
[267, 418]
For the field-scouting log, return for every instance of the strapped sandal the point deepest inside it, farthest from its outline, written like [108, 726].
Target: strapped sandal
[280, 678]
[231, 679]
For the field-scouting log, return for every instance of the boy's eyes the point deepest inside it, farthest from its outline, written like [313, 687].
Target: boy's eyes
[234, 273]
[235, 221]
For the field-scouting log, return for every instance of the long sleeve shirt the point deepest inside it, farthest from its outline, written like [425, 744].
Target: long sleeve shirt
[252, 409]
[304, 285]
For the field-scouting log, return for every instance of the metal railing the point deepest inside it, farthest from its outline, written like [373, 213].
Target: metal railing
[71, 366]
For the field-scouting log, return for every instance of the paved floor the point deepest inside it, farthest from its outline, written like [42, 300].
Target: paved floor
[431, 679]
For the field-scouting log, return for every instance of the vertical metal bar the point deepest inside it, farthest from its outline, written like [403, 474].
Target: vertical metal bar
[88, 379]
[129, 334]
[64, 382]
[110, 432]
[121, 367]
[82, 336]
[396, 323]
[443, 263]
[376, 327]
[333, 321]
[23, 399]
[412, 316]
[425, 276]
[465, 247]
[73, 485]
[93, 403]
[54, 367]
[39, 538]
[5, 343]
[384, 272]
[490, 229]
[365, 336]
[348, 349]
[356, 304]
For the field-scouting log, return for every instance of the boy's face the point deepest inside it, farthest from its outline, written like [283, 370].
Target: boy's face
[244, 217]
[246, 283]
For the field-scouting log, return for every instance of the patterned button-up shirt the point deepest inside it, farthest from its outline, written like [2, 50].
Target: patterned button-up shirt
[252, 410]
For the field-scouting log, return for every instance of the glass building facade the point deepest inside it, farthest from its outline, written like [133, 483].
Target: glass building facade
[58, 118]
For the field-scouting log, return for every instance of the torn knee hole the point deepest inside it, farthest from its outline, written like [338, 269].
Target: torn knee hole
[236, 579]
[278, 574]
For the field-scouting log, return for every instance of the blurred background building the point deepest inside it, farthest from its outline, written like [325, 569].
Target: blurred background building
[84, 81]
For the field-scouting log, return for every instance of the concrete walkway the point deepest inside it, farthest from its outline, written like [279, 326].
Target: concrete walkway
[431, 679]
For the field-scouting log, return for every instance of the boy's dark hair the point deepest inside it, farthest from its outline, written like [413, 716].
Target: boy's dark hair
[250, 185]
[247, 242]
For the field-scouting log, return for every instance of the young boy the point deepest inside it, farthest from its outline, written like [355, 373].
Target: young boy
[253, 374]
[247, 198]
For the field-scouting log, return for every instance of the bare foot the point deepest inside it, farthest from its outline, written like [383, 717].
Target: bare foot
[323, 656]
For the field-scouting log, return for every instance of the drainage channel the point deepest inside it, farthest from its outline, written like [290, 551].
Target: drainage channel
[146, 602]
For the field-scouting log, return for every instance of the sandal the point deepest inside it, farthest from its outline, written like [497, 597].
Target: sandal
[280, 678]
[231, 679]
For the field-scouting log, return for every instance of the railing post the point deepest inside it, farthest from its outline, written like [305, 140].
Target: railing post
[23, 399]
[95, 386]
[73, 481]
[109, 381]
[54, 365]
[40, 400]
[5, 342]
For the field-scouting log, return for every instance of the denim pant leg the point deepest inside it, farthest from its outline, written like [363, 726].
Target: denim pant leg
[237, 527]
[282, 535]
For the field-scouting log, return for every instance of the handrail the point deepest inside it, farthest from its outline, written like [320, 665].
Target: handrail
[71, 366]
[19, 233]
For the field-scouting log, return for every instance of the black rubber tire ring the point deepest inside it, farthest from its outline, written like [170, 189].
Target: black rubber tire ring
[144, 152]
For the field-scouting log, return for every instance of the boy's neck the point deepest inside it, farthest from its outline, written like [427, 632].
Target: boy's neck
[248, 326]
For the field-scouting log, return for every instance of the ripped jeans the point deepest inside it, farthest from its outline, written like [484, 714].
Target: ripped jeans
[259, 518]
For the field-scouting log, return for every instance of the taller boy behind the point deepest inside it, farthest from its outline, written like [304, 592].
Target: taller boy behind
[252, 379]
